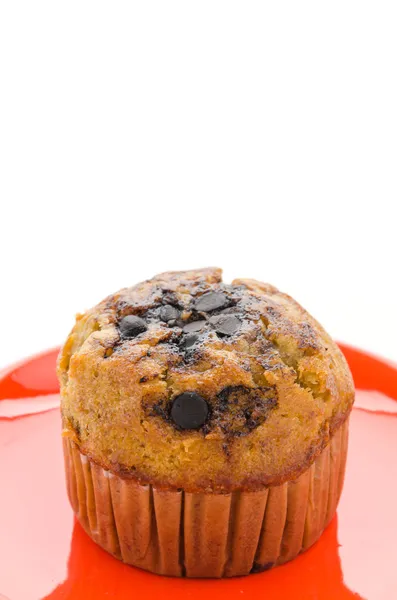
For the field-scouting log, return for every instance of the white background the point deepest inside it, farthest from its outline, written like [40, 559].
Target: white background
[138, 137]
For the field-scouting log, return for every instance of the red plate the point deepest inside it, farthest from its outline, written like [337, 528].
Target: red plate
[44, 553]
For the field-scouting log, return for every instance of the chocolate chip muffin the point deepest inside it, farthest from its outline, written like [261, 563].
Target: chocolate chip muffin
[205, 424]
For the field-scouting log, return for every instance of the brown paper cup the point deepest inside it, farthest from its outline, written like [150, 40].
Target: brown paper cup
[182, 534]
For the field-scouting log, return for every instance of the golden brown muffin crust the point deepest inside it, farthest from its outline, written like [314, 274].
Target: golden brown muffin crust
[275, 384]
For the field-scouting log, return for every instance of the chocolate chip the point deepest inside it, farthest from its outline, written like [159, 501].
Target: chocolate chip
[194, 326]
[168, 313]
[132, 326]
[189, 340]
[189, 410]
[210, 301]
[226, 324]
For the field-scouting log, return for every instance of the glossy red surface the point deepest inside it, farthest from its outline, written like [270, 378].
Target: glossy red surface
[44, 553]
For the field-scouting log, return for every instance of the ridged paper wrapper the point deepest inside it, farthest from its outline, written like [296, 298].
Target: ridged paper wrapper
[182, 534]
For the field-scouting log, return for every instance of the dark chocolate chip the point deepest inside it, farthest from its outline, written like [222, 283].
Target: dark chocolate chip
[168, 313]
[194, 326]
[189, 340]
[210, 301]
[189, 410]
[132, 326]
[226, 324]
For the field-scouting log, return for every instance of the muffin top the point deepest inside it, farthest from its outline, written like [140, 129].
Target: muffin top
[184, 381]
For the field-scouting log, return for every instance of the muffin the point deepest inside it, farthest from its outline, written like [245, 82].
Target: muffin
[205, 425]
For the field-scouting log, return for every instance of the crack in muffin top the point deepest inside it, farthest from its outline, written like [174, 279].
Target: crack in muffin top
[187, 381]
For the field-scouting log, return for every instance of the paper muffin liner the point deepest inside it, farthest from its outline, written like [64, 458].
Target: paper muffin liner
[183, 534]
